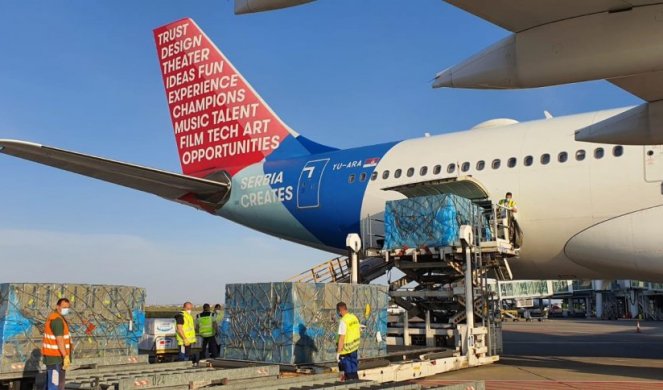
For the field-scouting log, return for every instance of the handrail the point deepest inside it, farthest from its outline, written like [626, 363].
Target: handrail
[329, 271]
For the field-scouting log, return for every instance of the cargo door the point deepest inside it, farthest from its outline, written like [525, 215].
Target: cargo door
[463, 186]
[308, 187]
[653, 163]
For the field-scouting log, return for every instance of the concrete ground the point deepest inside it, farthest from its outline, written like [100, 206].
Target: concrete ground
[572, 354]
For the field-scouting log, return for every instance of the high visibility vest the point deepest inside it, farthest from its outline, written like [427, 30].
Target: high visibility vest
[352, 333]
[205, 325]
[189, 329]
[508, 203]
[49, 345]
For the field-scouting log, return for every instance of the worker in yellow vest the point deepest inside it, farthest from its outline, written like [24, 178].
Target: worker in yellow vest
[349, 333]
[56, 346]
[206, 328]
[186, 333]
[508, 203]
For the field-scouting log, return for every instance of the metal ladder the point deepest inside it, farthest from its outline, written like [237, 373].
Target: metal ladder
[330, 271]
[338, 270]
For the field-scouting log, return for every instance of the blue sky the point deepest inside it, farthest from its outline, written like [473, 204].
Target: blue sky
[84, 76]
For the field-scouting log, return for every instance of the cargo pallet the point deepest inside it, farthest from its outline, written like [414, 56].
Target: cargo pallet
[434, 313]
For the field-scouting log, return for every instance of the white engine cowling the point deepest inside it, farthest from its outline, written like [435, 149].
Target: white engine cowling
[623, 246]
[598, 46]
[641, 125]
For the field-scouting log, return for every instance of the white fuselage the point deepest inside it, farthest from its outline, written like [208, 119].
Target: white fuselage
[595, 218]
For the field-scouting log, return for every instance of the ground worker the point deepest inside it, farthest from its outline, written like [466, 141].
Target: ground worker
[56, 346]
[186, 333]
[515, 235]
[217, 310]
[349, 334]
[508, 203]
[206, 326]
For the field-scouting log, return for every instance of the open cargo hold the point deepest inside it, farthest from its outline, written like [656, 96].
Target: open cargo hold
[105, 321]
[428, 221]
[296, 323]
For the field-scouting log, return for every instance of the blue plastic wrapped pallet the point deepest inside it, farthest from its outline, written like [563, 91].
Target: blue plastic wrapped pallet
[296, 323]
[105, 321]
[430, 221]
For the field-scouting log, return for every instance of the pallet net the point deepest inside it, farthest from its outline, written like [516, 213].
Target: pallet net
[428, 221]
[296, 323]
[105, 321]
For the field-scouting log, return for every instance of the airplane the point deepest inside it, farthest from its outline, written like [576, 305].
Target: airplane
[588, 210]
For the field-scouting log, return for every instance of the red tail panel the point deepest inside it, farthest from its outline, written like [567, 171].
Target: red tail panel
[220, 122]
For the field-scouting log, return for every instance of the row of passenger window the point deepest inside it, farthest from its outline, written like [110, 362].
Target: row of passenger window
[512, 162]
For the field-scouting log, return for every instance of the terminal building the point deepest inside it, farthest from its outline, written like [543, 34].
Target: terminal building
[601, 299]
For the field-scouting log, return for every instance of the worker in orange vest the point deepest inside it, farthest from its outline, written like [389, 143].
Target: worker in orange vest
[56, 346]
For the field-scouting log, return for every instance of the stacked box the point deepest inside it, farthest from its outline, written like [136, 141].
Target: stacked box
[105, 321]
[296, 323]
[428, 221]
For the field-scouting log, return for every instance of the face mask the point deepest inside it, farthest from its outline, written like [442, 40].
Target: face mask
[65, 311]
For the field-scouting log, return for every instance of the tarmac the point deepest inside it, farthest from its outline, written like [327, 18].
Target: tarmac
[571, 354]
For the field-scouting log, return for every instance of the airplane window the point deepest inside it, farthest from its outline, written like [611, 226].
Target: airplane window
[351, 179]
[451, 168]
[512, 162]
[374, 175]
[362, 176]
[410, 172]
[617, 150]
[385, 175]
[465, 167]
[423, 171]
[437, 169]
[562, 157]
[480, 165]
[496, 163]
[545, 158]
[580, 154]
[598, 153]
[397, 173]
[528, 160]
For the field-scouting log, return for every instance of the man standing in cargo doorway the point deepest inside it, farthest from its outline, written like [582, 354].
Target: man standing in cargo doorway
[56, 346]
[349, 333]
[206, 326]
[508, 203]
[515, 234]
[186, 333]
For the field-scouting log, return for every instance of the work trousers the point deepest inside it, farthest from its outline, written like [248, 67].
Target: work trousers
[349, 364]
[210, 348]
[185, 354]
[54, 377]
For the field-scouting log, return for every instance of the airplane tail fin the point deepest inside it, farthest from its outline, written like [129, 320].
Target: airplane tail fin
[220, 121]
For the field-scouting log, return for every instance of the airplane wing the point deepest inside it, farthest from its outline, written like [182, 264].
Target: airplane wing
[251, 6]
[200, 193]
[521, 15]
[646, 86]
